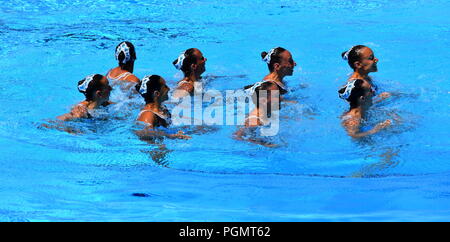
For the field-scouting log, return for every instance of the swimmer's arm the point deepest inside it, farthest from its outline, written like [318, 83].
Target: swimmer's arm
[59, 125]
[199, 129]
[65, 117]
[352, 127]
[382, 96]
[397, 118]
[151, 133]
[238, 135]
[150, 119]
[76, 112]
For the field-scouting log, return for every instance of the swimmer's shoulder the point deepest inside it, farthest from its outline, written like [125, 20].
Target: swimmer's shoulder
[185, 85]
[132, 78]
[184, 88]
[78, 111]
[148, 117]
[350, 121]
[118, 74]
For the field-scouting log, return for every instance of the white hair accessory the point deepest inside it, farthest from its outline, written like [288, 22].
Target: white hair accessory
[143, 88]
[348, 89]
[268, 57]
[123, 48]
[180, 60]
[84, 86]
[251, 90]
[345, 57]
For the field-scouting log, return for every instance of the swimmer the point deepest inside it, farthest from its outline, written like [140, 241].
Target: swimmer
[192, 63]
[261, 115]
[96, 89]
[125, 55]
[359, 95]
[155, 91]
[363, 61]
[280, 64]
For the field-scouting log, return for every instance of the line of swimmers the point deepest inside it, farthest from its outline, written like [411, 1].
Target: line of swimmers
[359, 91]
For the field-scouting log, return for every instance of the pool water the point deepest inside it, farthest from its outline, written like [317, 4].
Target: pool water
[317, 174]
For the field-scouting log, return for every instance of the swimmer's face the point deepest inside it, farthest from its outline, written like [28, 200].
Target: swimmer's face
[164, 93]
[368, 61]
[287, 64]
[199, 67]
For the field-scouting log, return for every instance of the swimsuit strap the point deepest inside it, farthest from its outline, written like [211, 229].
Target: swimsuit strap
[252, 89]
[279, 84]
[123, 76]
[143, 111]
[119, 77]
[346, 117]
[163, 117]
[183, 81]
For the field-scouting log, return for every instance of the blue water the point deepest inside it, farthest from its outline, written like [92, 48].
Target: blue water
[318, 173]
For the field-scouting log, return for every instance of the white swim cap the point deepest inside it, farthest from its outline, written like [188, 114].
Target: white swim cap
[180, 60]
[268, 57]
[143, 87]
[84, 86]
[123, 48]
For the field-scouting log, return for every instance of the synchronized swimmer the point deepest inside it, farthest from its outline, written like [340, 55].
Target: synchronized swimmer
[123, 73]
[267, 94]
[96, 90]
[154, 114]
[280, 64]
[360, 90]
[192, 63]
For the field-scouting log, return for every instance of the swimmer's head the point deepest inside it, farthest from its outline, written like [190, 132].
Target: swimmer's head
[279, 60]
[125, 53]
[361, 58]
[153, 89]
[357, 92]
[95, 88]
[191, 62]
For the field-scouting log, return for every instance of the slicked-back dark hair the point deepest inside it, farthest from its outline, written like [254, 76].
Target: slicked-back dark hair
[93, 86]
[353, 55]
[121, 56]
[189, 59]
[154, 84]
[274, 58]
